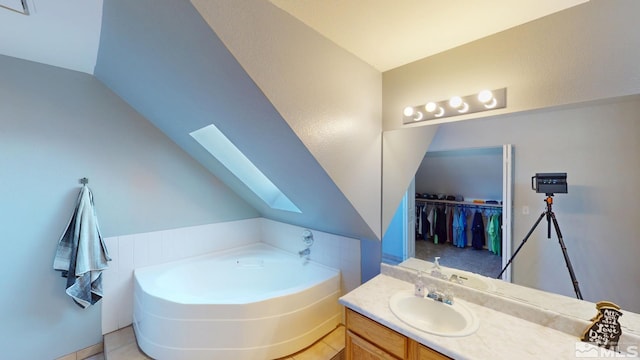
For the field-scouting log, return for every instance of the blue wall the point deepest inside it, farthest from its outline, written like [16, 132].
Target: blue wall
[393, 241]
[162, 58]
[57, 126]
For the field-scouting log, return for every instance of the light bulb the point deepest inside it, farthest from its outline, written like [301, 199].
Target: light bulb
[408, 111]
[464, 109]
[455, 102]
[440, 112]
[430, 107]
[485, 96]
[419, 116]
[493, 103]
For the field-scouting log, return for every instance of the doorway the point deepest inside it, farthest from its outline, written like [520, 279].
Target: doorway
[485, 259]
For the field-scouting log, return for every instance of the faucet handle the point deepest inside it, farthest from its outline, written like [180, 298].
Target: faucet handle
[448, 296]
[307, 237]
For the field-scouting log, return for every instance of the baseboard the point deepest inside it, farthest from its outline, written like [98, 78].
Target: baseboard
[84, 353]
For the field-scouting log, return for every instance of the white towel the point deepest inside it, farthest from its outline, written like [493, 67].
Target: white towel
[81, 254]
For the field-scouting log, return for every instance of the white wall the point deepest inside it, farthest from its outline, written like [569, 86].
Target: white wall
[164, 60]
[472, 173]
[335, 251]
[330, 98]
[57, 126]
[582, 55]
[144, 249]
[598, 145]
[587, 52]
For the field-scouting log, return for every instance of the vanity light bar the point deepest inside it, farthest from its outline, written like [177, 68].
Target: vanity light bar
[485, 100]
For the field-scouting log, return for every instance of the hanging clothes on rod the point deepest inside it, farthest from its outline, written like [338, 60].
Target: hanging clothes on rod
[477, 231]
[494, 227]
[440, 229]
[448, 221]
[462, 228]
[431, 218]
[421, 223]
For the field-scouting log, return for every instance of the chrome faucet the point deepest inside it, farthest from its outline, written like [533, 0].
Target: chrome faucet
[305, 252]
[445, 296]
[307, 240]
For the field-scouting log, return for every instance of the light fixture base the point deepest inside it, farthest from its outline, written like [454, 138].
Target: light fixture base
[483, 101]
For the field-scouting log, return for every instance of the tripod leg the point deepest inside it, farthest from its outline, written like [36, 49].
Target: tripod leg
[576, 288]
[521, 244]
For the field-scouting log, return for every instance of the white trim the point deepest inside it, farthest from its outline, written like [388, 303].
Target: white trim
[507, 207]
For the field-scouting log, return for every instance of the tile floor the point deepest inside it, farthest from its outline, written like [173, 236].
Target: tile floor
[478, 261]
[96, 357]
[121, 345]
[89, 353]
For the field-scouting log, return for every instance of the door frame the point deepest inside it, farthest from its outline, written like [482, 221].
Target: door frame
[409, 219]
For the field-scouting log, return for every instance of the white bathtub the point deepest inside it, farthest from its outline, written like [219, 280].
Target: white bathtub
[252, 302]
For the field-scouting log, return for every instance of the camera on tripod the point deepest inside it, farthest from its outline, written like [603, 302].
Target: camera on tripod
[549, 183]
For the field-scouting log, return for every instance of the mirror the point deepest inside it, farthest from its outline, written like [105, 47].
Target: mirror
[595, 216]
[454, 228]
[459, 208]
[454, 210]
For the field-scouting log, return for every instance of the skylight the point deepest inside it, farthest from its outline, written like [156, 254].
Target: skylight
[235, 161]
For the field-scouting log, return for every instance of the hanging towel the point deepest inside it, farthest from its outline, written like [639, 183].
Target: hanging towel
[81, 254]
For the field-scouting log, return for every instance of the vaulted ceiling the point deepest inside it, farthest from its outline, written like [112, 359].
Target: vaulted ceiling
[386, 33]
[164, 60]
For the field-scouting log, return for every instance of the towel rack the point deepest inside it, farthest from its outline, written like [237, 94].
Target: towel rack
[84, 181]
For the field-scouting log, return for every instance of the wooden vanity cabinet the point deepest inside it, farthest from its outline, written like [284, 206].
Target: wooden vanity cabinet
[418, 351]
[368, 340]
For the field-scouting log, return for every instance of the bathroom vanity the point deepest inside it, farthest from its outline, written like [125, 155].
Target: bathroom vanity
[368, 339]
[507, 328]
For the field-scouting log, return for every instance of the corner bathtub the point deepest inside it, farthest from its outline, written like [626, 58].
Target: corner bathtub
[251, 302]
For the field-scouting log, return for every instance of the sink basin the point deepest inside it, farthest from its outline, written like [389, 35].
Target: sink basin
[473, 281]
[432, 316]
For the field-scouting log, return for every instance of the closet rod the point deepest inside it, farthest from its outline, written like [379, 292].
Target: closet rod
[459, 203]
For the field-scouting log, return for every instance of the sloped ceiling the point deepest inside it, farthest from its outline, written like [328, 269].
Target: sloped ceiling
[59, 33]
[330, 98]
[383, 33]
[164, 60]
[391, 33]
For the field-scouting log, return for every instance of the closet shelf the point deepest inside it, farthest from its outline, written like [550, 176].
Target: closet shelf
[465, 203]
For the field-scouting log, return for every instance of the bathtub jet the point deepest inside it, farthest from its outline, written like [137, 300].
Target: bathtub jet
[252, 302]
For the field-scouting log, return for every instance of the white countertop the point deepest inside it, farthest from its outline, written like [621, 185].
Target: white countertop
[500, 335]
[575, 312]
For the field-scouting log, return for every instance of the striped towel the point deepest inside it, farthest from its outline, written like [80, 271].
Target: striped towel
[81, 254]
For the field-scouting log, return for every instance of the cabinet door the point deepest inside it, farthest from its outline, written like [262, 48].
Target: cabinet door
[358, 348]
[418, 351]
[384, 338]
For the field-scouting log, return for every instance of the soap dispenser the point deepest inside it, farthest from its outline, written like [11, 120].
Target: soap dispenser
[435, 270]
[419, 285]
